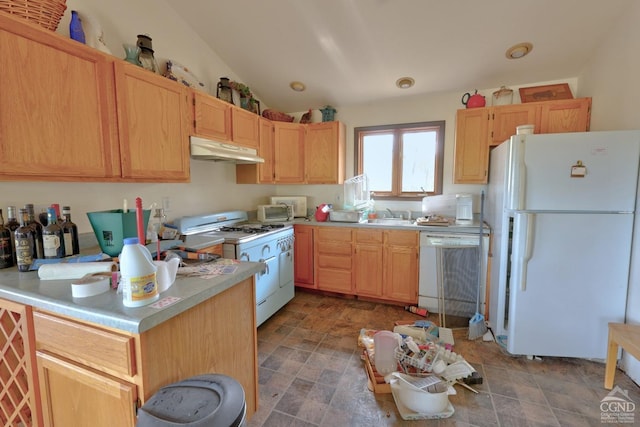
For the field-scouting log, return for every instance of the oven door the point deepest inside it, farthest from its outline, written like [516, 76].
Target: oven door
[267, 282]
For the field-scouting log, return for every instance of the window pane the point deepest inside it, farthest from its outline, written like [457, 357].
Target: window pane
[378, 160]
[418, 161]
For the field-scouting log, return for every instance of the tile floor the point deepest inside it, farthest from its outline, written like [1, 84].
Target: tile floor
[311, 374]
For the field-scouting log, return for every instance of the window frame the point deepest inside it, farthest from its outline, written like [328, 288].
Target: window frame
[398, 130]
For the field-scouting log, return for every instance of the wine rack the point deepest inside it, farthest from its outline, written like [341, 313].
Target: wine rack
[17, 366]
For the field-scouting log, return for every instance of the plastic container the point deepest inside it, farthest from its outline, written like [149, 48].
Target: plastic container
[137, 274]
[525, 129]
[356, 193]
[113, 226]
[384, 358]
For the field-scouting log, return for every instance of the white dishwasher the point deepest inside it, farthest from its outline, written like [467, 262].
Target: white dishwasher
[449, 268]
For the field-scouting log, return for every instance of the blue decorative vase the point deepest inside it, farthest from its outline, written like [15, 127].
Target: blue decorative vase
[328, 113]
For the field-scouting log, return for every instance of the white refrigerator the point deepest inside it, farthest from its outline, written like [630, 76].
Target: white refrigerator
[561, 207]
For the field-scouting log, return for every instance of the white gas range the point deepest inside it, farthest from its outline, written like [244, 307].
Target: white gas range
[271, 244]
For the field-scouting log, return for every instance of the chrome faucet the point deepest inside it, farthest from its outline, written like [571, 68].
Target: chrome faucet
[391, 212]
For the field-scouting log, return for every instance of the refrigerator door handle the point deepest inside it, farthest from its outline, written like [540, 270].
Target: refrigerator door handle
[528, 248]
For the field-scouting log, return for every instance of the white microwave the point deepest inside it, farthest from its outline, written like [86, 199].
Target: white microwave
[275, 213]
[299, 204]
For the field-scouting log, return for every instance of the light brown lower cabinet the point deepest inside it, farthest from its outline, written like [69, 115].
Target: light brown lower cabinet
[94, 376]
[365, 262]
[303, 256]
[332, 259]
[386, 265]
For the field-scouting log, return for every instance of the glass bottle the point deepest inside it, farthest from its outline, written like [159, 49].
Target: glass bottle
[70, 230]
[38, 250]
[12, 224]
[25, 242]
[52, 237]
[75, 28]
[6, 254]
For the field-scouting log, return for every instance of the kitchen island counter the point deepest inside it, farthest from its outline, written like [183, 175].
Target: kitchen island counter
[107, 309]
[93, 361]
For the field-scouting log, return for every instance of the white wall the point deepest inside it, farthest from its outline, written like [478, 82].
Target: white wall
[612, 80]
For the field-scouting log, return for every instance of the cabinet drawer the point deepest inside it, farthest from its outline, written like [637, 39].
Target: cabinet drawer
[338, 234]
[369, 236]
[334, 248]
[334, 280]
[99, 349]
[334, 261]
[402, 238]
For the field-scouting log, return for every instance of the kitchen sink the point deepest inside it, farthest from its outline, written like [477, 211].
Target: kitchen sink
[391, 221]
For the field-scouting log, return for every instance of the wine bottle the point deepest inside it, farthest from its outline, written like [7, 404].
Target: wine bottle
[52, 237]
[70, 230]
[24, 242]
[38, 250]
[6, 254]
[12, 224]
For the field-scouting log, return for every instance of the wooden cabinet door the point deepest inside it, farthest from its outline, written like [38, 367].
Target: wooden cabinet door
[505, 120]
[261, 173]
[401, 266]
[368, 263]
[471, 146]
[153, 118]
[266, 170]
[569, 115]
[303, 256]
[325, 153]
[212, 117]
[75, 396]
[57, 114]
[289, 153]
[245, 128]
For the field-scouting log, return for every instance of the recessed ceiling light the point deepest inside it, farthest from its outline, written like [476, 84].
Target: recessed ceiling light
[519, 50]
[405, 82]
[297, 86]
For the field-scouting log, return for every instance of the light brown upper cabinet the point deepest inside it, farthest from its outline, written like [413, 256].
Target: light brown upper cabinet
[478, 129]
[73, 113]
[324, 153]
[297, 153]
[262, 173]
[245, 127]
[153, 119]
[288, 153]
[212, 117]
[57, 115]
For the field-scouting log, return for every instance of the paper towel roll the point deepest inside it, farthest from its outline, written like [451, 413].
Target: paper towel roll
[89, 286]
[64, 271]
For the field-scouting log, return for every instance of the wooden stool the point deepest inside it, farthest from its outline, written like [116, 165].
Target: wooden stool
[625, 336]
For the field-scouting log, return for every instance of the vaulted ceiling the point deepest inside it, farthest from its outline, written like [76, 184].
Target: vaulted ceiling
[353, 51]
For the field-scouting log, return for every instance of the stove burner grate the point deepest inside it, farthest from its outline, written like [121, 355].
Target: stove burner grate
[252, 229]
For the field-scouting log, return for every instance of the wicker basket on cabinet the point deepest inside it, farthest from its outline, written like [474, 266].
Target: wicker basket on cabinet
[46, 13]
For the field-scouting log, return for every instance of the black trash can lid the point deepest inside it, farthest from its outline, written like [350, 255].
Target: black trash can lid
[203, 400]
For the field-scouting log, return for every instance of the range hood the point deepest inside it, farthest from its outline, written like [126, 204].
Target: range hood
[205, 149]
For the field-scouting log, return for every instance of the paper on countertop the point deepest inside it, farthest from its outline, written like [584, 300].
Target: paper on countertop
[64, 271]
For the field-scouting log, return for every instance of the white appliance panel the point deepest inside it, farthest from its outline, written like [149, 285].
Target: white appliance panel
[541, 173]
[573, 284]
